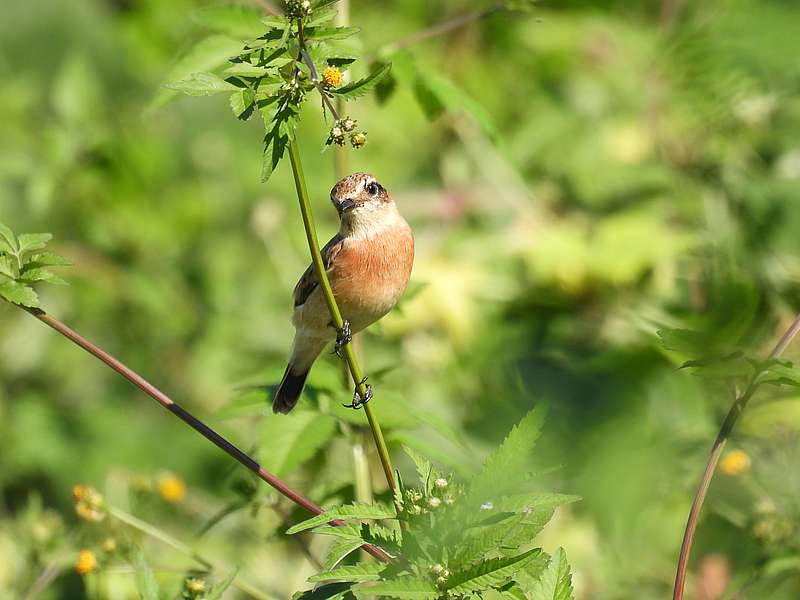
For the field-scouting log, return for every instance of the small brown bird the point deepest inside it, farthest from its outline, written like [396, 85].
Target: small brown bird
[368, 263]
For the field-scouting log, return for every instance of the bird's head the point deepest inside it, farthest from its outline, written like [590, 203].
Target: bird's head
[361, 201]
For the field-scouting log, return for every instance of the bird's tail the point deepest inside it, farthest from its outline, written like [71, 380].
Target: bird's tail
[289, 390]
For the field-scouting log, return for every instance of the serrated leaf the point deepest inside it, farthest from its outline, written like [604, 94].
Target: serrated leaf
[489, 573]
[424, 468]
[318, 17]
[242, 103]
[556, 581]
[41, 274]
[508, 462]
[338, 550]
[207, 55]
[275, 143]
[477, 541]
[275, 21]
[355, 511]
[234, 20]
[317, 34]
[363, 85]
[201, 84]
[329, 591]
[348, 531]
[290, 441]
[19, 293]
[222, 586]
[517, 503]
[359, 572]
[8, 241]
[409, 587]
[33, 241]
[45, 259]
[245, 69]
[8, 267]
[146, 583]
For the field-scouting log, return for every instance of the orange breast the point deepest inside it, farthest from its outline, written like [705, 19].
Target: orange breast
[370, 275]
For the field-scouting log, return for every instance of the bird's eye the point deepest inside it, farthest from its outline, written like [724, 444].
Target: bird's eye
[373, 188]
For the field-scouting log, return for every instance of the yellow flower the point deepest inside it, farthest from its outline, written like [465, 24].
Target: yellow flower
[332, 77]
[87, 562]
[735, 462]
[88, 503]
[171, 488]
[195, 586]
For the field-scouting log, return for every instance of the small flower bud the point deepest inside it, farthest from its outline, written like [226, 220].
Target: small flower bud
[440, 483]
[357, 140]
[434, 502]
[437, 569]
[87, 562]
[194, 587]
[348, 124]
[88, 503]
[441, 581]
[109, 545]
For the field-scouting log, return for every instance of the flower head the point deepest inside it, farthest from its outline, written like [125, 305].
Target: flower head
[332, 77]
[88, 503]
[735, 462]
[440, 483]
[194, 587]
[87, 562]
[357, 140]
[171, 488]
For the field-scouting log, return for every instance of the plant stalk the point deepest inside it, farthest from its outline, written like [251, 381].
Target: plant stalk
[733, 415]
[336, 315]
[193, 422]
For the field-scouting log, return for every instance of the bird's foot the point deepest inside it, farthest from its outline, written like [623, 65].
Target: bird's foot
[358, 399]
[343, 336]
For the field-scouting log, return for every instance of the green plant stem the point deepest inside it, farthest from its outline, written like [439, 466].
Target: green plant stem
[333, 308]
[162, 536]
[193, 422]
[731, 418]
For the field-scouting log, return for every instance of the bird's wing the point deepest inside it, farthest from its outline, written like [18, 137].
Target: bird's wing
[308, 282]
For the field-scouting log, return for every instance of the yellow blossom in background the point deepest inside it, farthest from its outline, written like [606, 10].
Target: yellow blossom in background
[87, 562]
[88, 503]
[735, 462]
[109, 545]
[332, 77]
[171, 487]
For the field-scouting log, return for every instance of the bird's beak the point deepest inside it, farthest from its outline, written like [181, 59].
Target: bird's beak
[346, 205]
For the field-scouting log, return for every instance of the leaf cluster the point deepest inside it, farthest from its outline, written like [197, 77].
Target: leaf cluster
[24, 262]
[273, 72]
[450, 539]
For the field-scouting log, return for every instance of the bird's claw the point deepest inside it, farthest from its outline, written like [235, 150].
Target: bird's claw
[343, 336]
[359, 400]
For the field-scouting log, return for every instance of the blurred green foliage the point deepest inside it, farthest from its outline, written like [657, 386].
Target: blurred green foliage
[594, 172]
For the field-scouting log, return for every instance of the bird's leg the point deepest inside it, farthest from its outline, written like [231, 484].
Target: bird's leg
[343, 336]
[358, 399]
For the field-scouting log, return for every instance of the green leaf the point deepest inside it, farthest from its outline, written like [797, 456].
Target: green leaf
[222, 586]
[290, 441]
[33, 241]
[410, 587]
[684, 340]
[476, 542]
[424, 468]
[329, 591]
[436, 92]
[277, 139]
[8, 267]
[503, 467]
[780, 372]
[41, 274]
[45, 259]
[242, 102]
[338, 550]
[363, 85]
[236, 21]
[318, 17]
[359, 572]
[518, 503]
[349, 531]
[556, 581]
[201, 84]
[145, 580]
[355, 511]
[8, 242]
[317, 34]
[19, 293]
[489, 573]
[207, 55]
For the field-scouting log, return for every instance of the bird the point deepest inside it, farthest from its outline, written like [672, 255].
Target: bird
[368, 263]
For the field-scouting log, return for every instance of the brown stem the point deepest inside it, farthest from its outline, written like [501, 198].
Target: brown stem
[441, 28]
[193, 422]
[733, 415]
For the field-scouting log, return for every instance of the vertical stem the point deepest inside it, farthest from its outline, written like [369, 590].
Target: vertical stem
[733, 415]
[336, 315]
